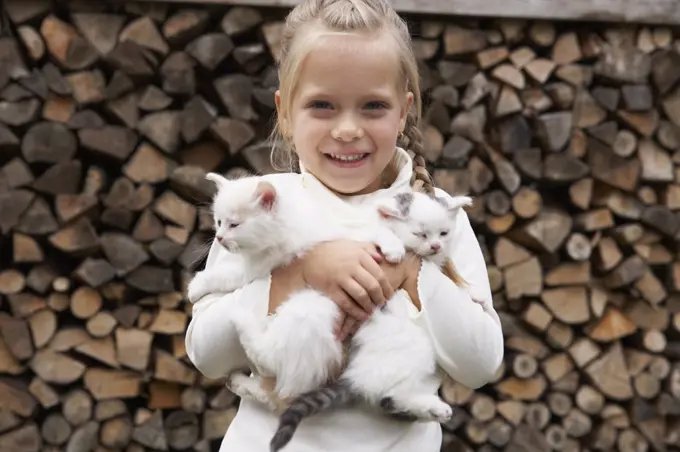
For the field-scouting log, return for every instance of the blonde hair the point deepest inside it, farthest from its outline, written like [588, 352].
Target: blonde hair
[347, 16]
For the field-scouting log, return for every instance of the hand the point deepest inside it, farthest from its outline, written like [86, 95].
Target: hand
[348, 273]
[399, 275]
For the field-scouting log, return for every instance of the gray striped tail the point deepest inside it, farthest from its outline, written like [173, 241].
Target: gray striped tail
[313, 402]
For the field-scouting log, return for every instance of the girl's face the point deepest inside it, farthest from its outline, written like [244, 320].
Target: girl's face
[347, 111]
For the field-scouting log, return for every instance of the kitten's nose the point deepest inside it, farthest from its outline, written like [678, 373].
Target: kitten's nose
[435, 247]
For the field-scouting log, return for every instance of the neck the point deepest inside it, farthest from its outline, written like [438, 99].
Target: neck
[384, 180]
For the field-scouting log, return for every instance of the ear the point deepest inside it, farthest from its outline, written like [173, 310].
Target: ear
[405, 111]
[218, 179]
[404, 201]
[265, 194]
[396, 207]
[456, 202]
[277, 99]
[389, 211]
[279, 113]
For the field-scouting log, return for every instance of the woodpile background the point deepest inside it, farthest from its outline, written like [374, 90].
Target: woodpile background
[566, 134]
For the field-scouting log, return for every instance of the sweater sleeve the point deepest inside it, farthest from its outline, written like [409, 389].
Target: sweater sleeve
[461, 321]
[211, 341]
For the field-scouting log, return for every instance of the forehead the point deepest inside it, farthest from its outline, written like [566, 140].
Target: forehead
[350, 64]
[233, 198]
[429, 212]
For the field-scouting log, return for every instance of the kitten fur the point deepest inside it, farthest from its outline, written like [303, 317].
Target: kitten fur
[267, 228]
[391, 362]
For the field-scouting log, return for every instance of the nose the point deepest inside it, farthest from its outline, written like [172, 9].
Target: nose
[229, 246]
[435, 247]
[220, 239]
[347, 129]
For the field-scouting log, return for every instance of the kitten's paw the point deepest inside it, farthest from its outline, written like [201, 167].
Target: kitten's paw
[441, 413]
[246, 386]
[393, 254]
[417, 408]
[196, 289]
[237, 382]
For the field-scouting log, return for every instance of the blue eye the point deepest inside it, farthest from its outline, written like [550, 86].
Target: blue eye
[320, 104]
[375, 105]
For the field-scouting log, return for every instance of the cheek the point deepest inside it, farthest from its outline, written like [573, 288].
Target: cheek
[384, 131]
[307, 135]
[412, 242]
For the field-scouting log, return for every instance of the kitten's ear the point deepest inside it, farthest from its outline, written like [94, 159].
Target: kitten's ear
[218, 179]
[456, 202]
[265, 194]
[389, 212]
[388, 209]
[404, 201]
[396, 207]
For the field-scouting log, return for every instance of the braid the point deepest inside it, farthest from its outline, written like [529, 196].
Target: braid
[412, 140]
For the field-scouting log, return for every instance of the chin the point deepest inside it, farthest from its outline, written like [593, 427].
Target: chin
[348, 188]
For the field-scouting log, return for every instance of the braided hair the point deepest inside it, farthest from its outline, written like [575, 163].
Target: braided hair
[412, 140]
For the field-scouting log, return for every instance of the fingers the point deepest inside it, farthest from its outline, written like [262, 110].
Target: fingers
[346, 302]
[355, 328]
[339, 323]
[360, 295]
[373, 251]
[371, 285]
[349, 327]
[345, 326]
[379, 275]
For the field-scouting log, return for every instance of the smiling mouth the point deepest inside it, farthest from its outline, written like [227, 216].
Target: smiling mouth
[346, 158]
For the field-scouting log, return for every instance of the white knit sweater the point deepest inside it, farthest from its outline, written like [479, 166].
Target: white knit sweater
[466, 335]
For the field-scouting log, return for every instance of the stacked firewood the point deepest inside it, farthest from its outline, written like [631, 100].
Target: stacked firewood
[110, 115]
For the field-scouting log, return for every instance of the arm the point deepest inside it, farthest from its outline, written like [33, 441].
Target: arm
[466, 334]
[211, 340]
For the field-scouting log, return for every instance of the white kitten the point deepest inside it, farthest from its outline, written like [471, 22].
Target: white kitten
[391, 362]
[423, 223]
[268, 228]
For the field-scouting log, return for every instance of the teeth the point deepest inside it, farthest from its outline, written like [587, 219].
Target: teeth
[347, 158]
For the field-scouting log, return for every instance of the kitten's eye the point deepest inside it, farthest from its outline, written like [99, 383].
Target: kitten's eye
[420, 235]
[219, 223]
[233, 225]
[444, 233]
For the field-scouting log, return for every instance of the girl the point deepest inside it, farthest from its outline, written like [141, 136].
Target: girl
[349, 90]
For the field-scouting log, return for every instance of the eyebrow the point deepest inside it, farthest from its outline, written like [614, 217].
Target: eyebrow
[322, 93]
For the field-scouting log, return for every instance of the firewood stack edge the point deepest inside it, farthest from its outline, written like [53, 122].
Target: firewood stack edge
[566, 134]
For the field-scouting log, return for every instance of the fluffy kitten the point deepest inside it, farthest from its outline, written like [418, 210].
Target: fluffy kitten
[268, 228]
[430, 236]
[391, 361]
